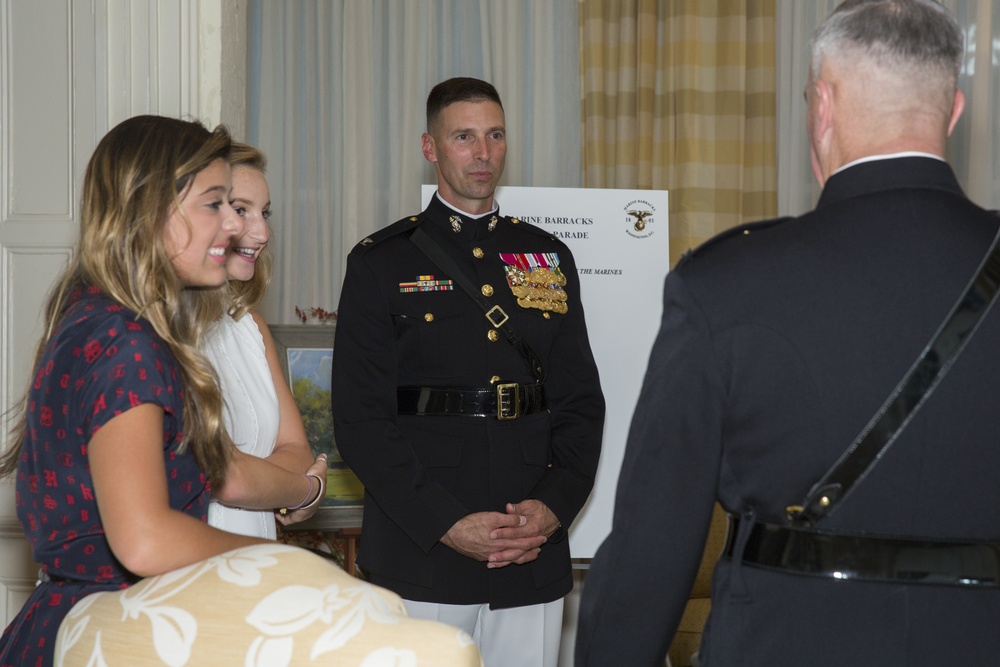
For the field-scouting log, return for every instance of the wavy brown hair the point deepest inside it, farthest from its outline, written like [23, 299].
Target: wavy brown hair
[136, 178]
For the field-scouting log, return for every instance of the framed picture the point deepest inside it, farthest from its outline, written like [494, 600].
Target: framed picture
[306, 354]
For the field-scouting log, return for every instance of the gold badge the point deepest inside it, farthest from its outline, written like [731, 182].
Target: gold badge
[536, 281]
[456, 223]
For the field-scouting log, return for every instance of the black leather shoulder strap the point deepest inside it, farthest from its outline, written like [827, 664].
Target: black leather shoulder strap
[909, 395]
[495, 314]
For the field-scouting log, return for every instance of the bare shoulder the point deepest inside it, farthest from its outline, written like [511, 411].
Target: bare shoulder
[265, 331]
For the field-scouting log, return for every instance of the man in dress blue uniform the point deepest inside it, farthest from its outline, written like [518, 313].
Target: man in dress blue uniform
[473, 421]
[779, 342]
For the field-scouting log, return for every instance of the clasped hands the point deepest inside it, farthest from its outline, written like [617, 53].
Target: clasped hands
[501, 539]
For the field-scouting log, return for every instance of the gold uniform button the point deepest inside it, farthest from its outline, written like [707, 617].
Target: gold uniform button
[487, 290]
[428, 317]
[478, 253]
[494, 379]
[546, 315]
[493, 335]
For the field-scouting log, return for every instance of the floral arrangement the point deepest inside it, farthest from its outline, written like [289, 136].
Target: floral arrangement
[322, 316]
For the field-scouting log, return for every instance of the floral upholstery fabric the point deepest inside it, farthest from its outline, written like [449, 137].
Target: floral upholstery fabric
[260, 606]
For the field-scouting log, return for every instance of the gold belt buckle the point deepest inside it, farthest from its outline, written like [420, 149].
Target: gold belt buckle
[508, 401]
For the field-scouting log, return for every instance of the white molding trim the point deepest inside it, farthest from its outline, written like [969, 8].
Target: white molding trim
[10, 527]
[233, 66]
[168, 55]
[207, 53]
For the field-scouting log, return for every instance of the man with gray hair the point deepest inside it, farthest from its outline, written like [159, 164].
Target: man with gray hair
[798, 380]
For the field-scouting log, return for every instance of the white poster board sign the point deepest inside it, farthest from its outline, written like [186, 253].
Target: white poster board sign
[619, 240]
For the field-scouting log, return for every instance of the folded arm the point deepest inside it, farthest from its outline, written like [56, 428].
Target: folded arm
[145, 533]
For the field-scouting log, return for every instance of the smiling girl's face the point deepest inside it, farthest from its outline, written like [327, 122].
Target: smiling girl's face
[199, 232]
[251, 199]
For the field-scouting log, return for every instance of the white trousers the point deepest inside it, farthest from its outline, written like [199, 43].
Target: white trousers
[516, 637]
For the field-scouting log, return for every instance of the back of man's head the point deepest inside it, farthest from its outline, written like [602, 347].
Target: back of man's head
[458, 89]
[915, 39]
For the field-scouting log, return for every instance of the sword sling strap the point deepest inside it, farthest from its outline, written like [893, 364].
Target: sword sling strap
[909, 395]
[495, 314]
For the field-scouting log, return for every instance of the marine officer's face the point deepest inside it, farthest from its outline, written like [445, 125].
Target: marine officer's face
[468, 145]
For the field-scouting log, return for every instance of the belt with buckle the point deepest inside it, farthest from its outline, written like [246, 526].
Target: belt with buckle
[503, 401]
[866, 557]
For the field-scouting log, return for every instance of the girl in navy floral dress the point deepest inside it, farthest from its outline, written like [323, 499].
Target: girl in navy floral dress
[121, 428]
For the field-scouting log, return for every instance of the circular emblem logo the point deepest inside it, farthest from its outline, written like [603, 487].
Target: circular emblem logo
[639, 219]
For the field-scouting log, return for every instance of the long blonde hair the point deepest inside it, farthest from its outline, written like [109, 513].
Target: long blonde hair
[136, 177]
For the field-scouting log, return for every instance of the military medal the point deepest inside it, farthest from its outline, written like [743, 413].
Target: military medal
[426, 284]
[536, 281]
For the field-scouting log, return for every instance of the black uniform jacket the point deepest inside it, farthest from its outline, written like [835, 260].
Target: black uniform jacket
[778, 343]
[402, 322]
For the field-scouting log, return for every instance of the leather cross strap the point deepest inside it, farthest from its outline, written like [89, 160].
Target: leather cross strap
[496, 316]
[909, 395]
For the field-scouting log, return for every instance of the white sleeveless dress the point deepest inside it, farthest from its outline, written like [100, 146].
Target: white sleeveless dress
[236, 350]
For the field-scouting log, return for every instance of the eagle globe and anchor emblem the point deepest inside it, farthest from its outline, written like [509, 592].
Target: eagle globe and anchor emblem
[640, 216]
[640, 219]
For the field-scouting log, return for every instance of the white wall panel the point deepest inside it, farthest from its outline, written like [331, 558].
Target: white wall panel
[27, 275]
[38, 192]
[40, 176]
[37, 226]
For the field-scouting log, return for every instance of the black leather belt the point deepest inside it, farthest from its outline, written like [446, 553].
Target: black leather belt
[867, 558]
[503, 401]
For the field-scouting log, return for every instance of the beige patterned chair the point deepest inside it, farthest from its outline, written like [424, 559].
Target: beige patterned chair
[261, 606]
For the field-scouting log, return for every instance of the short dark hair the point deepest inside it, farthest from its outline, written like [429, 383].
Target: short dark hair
[459, 89]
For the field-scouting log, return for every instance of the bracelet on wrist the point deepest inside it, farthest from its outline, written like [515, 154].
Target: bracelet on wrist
[319, 491]
[285, 510]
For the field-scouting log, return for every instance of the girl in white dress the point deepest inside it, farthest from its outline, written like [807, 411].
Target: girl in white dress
[273, 468]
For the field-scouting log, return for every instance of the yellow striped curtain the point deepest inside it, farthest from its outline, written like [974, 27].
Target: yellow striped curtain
[679, 95]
